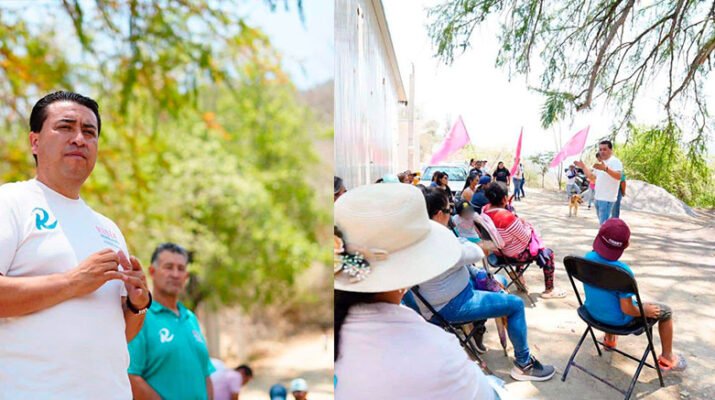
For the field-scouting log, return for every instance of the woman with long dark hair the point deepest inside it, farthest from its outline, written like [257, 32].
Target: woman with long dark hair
[470, 186]
[384, 245]
[501, 174]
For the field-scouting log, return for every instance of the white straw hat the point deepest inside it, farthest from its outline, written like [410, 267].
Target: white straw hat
[389, 225]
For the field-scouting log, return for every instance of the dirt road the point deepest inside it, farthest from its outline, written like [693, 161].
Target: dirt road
[308, 356]
[674, 262]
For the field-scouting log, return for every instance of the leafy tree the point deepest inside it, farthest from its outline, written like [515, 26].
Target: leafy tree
[608, 50]
[205, 140]
[542, 161]
[657, 156]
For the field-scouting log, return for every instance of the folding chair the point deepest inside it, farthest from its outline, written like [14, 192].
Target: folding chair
[511, 267]
[608, 277]
[460, 330]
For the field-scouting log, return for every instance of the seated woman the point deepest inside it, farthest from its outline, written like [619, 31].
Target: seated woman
[470, 186]
[456, 295]
[518, 236]
[479, 200]
[385, 244]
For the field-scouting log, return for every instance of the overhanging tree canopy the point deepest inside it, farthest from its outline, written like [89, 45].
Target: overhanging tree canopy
[597, 50]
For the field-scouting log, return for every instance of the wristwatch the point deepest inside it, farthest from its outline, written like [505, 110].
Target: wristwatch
[137, 311]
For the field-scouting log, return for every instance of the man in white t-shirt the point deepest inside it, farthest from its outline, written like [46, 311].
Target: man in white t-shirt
[571, 186]
[66, 308]
[607, 174]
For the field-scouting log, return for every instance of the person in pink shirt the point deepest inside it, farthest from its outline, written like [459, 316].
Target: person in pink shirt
[227, 383]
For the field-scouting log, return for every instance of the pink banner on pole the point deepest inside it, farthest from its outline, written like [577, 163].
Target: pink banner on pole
[517, 157]
[574, 146]
[455, 140]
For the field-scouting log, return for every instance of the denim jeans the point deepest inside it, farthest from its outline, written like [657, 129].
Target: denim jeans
[521, 187]
[571, 189]
[603, 210]
[517, 187]
[472, 305]
[616, 211]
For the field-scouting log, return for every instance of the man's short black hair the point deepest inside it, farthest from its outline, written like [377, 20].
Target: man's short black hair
[607, 143]
[39, 111]
[246, 370]
[171, 247]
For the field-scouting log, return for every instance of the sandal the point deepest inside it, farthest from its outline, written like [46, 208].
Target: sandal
[609, 345]
[554, 294]
[667, 365]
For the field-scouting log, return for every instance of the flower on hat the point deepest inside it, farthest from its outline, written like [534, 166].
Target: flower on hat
[353, 260]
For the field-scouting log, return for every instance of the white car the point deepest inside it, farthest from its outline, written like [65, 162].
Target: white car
[457, 176]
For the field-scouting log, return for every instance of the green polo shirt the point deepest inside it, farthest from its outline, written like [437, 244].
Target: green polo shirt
[170, 353]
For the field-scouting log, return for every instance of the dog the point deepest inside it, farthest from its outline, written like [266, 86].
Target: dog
[574, 202]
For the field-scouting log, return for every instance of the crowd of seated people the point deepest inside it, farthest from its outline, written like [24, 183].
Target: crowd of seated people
[384, 248]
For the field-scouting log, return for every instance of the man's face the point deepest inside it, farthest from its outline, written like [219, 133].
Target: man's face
[245, 377]
[67, 142]
[169, 273]
[604, 151]
[300, 395]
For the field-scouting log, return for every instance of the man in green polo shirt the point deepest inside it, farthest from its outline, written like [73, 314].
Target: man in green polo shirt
[169, 358]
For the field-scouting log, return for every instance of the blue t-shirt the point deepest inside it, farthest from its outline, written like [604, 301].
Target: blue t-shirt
[605, 305]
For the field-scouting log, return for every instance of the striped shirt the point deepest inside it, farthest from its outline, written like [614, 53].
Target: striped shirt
[516, 233]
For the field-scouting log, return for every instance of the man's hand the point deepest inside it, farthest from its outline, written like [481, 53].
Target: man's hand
[651, 310]
[134, 281]
[94, 272]
[580, 164]
[601, 166]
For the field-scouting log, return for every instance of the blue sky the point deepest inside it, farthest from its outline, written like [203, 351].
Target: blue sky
[307, 48]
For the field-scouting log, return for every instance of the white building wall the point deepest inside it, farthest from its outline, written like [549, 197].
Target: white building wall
[368, 95]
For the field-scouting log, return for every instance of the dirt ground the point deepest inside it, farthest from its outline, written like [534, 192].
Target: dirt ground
[308, 356]
[674, 263]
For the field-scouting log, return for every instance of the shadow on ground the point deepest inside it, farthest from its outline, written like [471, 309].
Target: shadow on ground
[673, 260]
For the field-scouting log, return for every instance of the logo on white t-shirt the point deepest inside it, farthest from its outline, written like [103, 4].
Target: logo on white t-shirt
[108, 237]
[42, 219]
[165, 336]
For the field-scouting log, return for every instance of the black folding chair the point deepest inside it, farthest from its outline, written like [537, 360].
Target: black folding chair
[511, 267]
[460, 330]
[608, 277]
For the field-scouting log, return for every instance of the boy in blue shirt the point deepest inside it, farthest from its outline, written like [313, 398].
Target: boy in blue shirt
[615, 308]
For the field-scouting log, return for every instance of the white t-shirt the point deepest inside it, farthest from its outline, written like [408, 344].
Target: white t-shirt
[76, 349]
[389, 352]
[226, 382]
[570, 177]
[606, 185]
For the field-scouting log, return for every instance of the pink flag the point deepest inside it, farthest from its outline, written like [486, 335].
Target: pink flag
[455, 140]
[574, 146]
[517, 157]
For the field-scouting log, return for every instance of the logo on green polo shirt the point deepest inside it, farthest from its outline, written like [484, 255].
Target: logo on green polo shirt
[42, 219]
[165, 336]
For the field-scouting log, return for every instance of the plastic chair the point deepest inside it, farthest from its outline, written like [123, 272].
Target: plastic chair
[608, 277]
